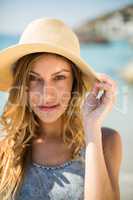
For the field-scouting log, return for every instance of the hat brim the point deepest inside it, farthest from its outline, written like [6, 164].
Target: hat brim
[10, 55]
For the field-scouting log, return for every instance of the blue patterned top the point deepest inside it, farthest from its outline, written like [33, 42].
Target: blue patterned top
[60, 182]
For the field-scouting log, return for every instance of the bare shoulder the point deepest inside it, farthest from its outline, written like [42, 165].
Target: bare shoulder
[112, 148]
[112, 141]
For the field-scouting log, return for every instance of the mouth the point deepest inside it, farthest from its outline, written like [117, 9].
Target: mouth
[48, 108]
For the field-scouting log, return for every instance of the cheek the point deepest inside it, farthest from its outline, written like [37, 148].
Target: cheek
[64, 93]
[64, 97]
[65, 85]
[34, 98]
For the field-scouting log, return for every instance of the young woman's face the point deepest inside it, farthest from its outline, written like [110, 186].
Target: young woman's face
[50, 84]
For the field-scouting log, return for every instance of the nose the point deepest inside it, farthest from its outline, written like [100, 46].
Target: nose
[50, 94]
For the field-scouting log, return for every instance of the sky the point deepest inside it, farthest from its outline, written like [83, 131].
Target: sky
[16, 14]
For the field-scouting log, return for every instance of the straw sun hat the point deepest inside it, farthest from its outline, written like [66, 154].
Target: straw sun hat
[45, 35]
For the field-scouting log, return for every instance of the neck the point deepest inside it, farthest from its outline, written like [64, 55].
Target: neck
[51, 131]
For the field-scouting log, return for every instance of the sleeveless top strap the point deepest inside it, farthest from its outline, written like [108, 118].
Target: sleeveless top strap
[82, 152]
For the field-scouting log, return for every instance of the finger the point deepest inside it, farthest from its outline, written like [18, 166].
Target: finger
[110, 82]
[109, 90]
[107, 78]
[90, 100]
[95, 89]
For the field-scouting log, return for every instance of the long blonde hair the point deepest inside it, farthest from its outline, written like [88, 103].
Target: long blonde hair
[20, 125]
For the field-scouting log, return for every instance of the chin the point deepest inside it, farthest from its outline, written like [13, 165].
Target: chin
[48, 117]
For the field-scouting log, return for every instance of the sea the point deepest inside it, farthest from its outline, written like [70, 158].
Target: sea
[109, 58]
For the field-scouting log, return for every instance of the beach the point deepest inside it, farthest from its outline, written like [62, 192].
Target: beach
[108, 58]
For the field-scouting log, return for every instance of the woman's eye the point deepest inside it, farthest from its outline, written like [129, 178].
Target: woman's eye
[33, 78]
[60, 77]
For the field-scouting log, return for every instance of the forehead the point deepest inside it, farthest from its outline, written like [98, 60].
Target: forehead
[51, 62]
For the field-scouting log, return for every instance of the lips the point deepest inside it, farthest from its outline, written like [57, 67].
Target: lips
[48, 106]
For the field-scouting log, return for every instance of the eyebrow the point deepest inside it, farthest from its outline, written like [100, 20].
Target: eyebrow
[52, 74]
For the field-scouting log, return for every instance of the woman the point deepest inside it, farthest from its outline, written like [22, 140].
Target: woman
[55, 146]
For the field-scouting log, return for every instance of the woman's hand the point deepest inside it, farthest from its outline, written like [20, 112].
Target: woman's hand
[94, 110]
